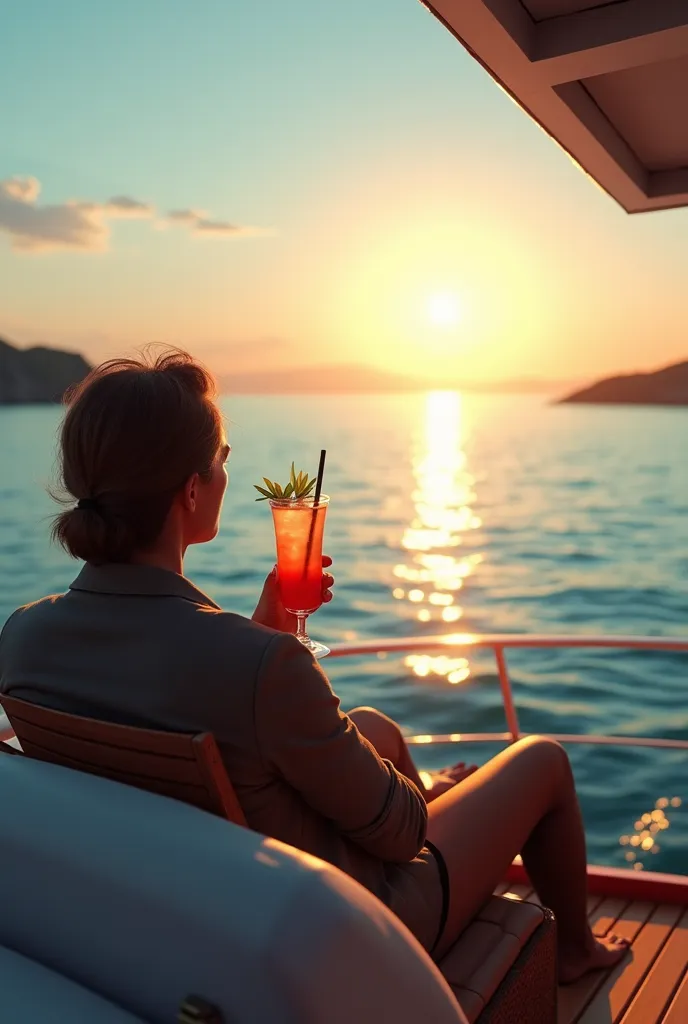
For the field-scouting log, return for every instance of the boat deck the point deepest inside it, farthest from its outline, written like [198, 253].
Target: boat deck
[650, 985]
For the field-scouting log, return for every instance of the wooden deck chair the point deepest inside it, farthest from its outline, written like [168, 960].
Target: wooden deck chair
[182, 766]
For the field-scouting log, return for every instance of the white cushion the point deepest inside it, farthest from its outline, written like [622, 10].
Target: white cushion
[30, 992]
[145, 901]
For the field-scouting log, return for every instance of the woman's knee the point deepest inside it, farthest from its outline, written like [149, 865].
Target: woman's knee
[371, 715]
[545, 754]
[383, 732]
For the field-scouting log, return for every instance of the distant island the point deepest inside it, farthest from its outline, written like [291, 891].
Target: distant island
[37, 374]
[43, 374]
[358, 379]
[668, 386]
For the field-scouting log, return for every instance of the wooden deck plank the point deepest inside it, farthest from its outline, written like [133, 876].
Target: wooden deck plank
[573, 999]
[606, 913]
[593, 903]
[662, 979]
[638, 990]
[678, 1010]
[621, 984]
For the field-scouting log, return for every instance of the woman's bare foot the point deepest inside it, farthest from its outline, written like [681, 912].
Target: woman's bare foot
[447, 779]
[600, 955]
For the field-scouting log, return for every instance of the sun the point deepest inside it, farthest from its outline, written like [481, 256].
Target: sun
[444, 309]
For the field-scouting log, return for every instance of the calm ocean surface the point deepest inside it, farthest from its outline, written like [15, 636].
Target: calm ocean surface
[458, 513]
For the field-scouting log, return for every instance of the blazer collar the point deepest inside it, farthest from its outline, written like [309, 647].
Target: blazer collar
[140, 581]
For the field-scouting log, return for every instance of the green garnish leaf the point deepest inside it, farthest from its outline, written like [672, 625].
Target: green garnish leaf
[299, 486]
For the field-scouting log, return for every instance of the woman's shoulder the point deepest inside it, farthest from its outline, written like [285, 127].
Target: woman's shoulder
[30, 613]
[221, 630]
[249, 644]
[224, 623]
[25, 622]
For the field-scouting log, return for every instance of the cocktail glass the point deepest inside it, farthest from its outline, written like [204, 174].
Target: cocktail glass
[299, 528]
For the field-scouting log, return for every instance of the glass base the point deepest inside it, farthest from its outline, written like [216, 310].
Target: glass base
[318, 650]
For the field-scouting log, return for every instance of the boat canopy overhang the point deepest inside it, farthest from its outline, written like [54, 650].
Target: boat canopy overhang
[607, 79]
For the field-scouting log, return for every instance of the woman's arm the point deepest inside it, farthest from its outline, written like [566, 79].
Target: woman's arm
[320, 752]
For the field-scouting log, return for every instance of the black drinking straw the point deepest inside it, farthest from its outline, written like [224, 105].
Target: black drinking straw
[316, 499]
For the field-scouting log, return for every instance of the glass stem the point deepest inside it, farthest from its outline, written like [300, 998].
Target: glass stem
[301, 633]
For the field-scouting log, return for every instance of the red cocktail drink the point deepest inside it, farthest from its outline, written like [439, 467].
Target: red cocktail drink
[299, 528]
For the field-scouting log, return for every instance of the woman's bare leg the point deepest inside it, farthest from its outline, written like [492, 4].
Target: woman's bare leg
[387, 738]
[522, 801]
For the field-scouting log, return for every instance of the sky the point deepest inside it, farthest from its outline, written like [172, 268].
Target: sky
[299, 184]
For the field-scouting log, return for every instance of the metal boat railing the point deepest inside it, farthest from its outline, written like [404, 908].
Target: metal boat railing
[499, 643]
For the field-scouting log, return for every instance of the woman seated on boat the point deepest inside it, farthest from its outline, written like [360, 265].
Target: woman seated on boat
[133, 641]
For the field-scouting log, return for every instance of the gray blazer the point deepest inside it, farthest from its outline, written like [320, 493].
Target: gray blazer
[143, 646]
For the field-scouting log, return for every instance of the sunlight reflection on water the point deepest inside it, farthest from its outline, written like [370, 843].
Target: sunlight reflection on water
[442, 503]
[648, 828]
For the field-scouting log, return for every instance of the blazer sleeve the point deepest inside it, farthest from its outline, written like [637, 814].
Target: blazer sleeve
[302, 732]
[4, 640]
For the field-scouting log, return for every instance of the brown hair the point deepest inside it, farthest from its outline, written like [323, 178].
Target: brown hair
[134, 432]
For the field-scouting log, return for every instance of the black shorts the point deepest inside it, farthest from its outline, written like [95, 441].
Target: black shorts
[444, 882]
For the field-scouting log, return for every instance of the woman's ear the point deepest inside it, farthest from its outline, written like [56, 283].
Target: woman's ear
[190, 493]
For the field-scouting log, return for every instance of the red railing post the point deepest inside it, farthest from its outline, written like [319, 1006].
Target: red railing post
[507, 696]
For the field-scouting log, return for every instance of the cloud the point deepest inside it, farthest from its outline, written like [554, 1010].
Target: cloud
[71, 225]
[125, 206]
[199, 223]
[25, 190]
[186, 216]
[84, 225]
[217, 227]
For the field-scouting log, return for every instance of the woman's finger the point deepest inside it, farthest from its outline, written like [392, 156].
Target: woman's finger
[326, 560]
[327, 596]
[327, 580]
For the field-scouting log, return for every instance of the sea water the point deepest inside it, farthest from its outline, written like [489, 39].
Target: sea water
[458, 513]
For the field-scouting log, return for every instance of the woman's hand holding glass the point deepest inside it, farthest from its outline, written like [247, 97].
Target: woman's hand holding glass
[271, 612]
